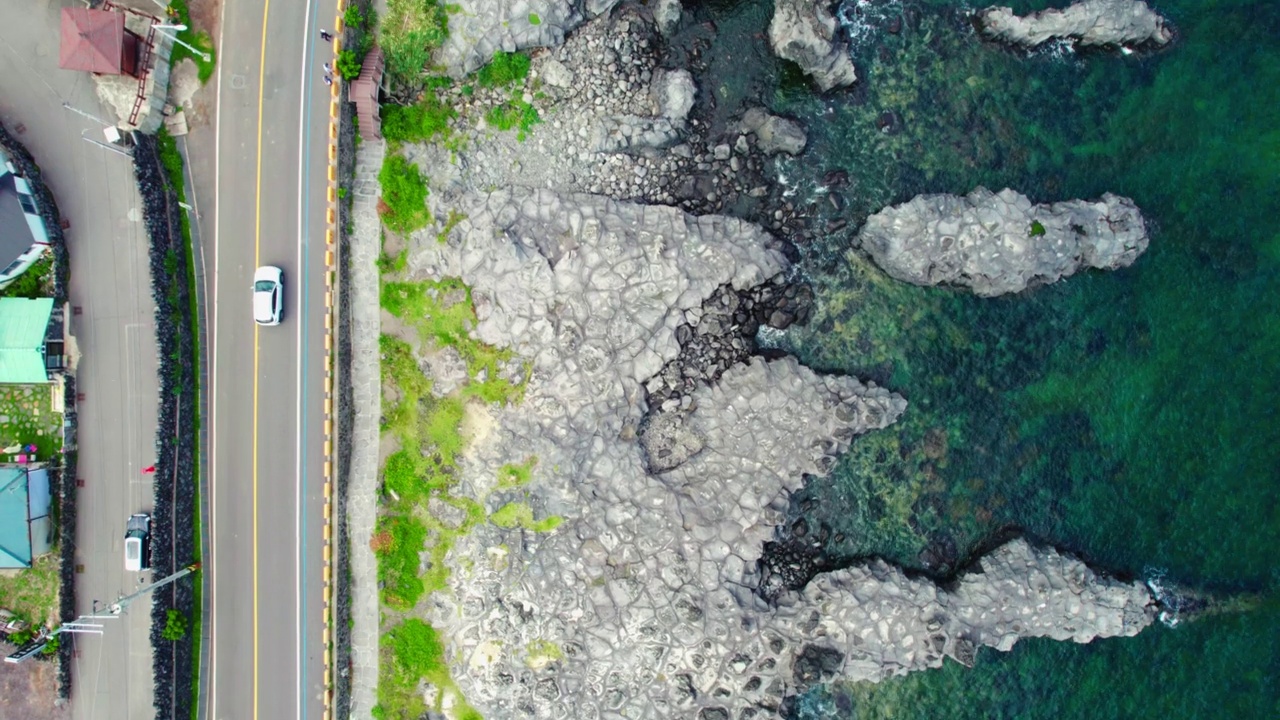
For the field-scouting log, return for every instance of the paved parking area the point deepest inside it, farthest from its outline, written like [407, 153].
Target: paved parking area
[114, 328]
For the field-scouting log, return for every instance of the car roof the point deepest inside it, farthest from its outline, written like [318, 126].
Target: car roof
[262, 306]
[268, 272]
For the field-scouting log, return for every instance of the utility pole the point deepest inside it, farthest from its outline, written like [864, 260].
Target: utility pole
[79, 625]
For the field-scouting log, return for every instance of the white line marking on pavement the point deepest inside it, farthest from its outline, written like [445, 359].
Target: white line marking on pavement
[212, 302]
[301, 320]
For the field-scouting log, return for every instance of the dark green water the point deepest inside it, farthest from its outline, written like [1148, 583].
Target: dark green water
[1130, 416]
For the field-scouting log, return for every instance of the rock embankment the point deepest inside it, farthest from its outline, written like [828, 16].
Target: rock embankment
[804, 32]
[997, 243]
[1096, 23]
[645, 601]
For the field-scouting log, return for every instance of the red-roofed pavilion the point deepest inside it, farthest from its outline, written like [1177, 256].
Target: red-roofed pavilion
[96, 41]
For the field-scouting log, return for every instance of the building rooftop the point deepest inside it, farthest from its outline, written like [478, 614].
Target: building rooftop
[15, 233]
[26, 530]
[23, 324]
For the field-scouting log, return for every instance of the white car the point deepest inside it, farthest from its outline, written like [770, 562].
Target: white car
[137, 538]
[268, 295]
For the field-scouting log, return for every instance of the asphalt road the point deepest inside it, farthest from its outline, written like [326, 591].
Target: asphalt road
[115, 332]
[267, 396]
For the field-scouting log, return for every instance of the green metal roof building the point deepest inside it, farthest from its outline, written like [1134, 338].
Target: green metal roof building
[26, 529]
[24, 329]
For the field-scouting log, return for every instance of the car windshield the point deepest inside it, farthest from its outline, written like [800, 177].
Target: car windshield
[263, 286]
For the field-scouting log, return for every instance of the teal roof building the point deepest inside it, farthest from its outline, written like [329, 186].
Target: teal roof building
[24, 329]
[26, 529]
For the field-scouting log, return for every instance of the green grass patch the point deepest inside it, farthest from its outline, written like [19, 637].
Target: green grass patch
[517, 514]
[512, 475]
[443, 425]
[32, 594]
[404, 195]
[504, 69]
[442, 312]
[534, 19]
[418, 649]
[1037, 229]
[515, 114]
[420, 475]
[199, 38]
[454, 218]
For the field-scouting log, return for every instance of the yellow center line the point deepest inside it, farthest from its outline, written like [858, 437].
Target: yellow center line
[257, 247]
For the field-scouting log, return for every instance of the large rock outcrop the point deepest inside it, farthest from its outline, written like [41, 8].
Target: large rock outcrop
[997, 243]
[1091, 22]
[643, 603]
[880, 623]
[804, 32]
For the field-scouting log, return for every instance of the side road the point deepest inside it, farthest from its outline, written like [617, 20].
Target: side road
[113, 320]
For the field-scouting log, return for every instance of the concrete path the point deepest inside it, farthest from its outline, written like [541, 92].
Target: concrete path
[115, 331]
[365, 245]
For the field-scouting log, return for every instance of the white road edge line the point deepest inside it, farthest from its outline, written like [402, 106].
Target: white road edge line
[211, 304]
[297, 448]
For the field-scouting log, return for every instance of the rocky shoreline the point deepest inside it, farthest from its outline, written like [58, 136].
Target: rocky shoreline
[660, 446]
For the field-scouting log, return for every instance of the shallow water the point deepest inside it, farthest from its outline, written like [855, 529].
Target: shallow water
[1127, 416]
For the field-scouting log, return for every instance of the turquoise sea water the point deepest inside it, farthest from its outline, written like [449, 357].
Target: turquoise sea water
[1129, 416]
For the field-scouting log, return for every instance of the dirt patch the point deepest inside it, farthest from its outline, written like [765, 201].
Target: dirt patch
[204, 16]
[199, 103]
[29, 690]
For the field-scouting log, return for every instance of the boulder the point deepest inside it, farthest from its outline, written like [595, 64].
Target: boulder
[997, 243]
[804, 32]
[666, 15]
[773, 134]
[1089, 23]
[676, 92]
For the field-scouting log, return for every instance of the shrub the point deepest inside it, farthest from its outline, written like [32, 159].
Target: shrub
[534, 19]
[418, 649]
[404, 192]
[411, 30]
[349, 64]
[422, 122]
[1036, 228]
[175, 626]
[504, 69]
[34, 283]
[398, 561]
[158, 170]
[352, 17]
